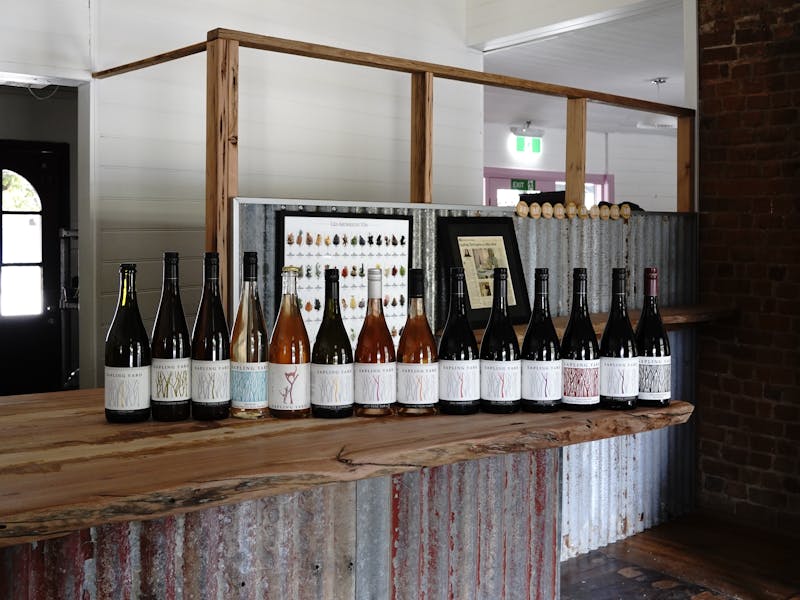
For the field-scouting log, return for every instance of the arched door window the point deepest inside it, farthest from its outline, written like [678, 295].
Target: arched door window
[21, 288]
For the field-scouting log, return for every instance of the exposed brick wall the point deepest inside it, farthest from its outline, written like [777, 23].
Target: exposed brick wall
[749, 169]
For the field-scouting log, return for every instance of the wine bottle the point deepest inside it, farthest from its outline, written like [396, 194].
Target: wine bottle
[459, 362]
[500, 358]
[249, 343]
[289, 356]
[375, 368]
[619, 365]
[652, 345]
[580, 355]
[127, 357]
[171, 371]
[211, 364]
[332, 359]
[417, 359]
[542, 382]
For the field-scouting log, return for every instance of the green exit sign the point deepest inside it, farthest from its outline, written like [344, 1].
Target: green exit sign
[523, 185]
[529, 144]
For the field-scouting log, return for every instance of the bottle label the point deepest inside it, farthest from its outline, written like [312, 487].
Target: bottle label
[248, 384]
[619, 377]
[332, 385]
[655, 377]
[171, 379]
[211, 381]
[417, 383]
[127, 388]
[460, 380]
[375, 384]
[581, 381]
[289, 386]
[542, 380]
[501, 380]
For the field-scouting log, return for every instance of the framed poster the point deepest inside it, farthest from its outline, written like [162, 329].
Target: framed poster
[479, 244]
[352, 244]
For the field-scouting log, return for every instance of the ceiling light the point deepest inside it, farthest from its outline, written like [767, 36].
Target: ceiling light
[662, 122]
[527, 131]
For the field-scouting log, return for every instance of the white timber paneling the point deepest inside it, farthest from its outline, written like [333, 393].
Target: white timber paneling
[307, 128]
[645, 169]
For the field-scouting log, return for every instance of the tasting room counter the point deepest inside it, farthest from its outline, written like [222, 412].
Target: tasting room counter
[63, 467]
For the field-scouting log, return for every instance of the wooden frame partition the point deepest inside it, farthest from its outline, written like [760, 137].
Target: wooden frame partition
[222, 169]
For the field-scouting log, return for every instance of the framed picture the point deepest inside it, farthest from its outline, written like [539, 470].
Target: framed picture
[479, 244]
[352, 244]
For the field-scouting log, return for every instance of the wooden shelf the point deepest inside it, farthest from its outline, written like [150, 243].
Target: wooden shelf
[63, 468]
[674, 317]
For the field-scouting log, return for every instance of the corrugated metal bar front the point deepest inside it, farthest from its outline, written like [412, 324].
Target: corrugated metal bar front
[482, 530]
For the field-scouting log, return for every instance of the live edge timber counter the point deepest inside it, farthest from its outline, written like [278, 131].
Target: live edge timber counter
[63, 468]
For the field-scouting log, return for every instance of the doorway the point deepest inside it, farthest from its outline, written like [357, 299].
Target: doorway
[33, 210]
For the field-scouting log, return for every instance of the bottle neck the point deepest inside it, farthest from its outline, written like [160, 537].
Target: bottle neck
[650, 305]
[458, 301]
[289, 284]
[541, 300]
[580, 304]
[127, 289]
[619, 306]
[170, 285]
[331, 300]
[416, 307]
[500, 301]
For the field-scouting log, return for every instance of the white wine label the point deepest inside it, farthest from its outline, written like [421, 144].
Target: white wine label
[248, 384]
[655, 377]
[289, 386]
[501, 380]
[375, 384]
[542, 380]
[417, 384]
[332, 385]
[619, 377]
[581, 381]
[171, 379]
[460, 380]
[127, 388]
[211, 381]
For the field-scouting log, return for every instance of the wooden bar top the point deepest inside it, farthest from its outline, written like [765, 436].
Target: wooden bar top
[63, 468]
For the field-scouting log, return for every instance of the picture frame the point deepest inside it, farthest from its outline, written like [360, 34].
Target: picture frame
[351, 243]
[478, 244]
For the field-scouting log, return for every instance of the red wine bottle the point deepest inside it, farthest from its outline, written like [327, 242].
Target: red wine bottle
[619, 365]
[459, 362]
[127, 357]
[417, 359]
[500, 357]
[652, 344]
[211, 350]
[542, 382]
[580, 355]
[171, 371]
[332, 359]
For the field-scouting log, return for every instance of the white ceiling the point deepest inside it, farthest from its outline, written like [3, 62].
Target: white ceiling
[619, 57]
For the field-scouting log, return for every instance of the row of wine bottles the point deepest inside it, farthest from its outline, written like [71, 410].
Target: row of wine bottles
[250, 378]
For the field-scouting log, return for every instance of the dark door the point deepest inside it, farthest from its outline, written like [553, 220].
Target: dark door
[35, 203]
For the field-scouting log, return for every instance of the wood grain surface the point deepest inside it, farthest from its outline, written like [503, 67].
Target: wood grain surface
[63, 468]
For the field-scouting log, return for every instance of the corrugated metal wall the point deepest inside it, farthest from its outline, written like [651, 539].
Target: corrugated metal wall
[484, 529]
[488, 529]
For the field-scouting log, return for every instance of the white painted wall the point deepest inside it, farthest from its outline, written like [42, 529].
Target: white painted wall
[307, 128]
[493, 23]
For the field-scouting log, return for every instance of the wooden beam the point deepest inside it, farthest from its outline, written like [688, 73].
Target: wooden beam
[576, 150]
[686, 164]
[222, 154]
[421, 136]
[153, 60]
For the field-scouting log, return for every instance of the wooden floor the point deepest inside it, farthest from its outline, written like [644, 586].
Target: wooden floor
[697, 557]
